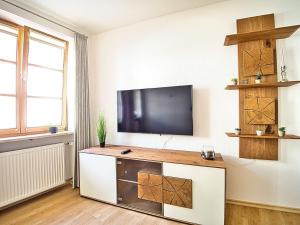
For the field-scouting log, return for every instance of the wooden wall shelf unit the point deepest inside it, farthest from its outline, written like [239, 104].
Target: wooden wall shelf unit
[275, 84]
[267, 136]
[258, 108]
[179, 185]
[276, 33]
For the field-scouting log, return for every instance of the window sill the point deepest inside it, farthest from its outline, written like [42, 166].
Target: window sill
[33, 136]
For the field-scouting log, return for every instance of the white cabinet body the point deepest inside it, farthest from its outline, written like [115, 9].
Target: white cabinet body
[208, 190]
[98, 177]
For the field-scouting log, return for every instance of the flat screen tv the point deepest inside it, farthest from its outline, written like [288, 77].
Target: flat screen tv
[166, 110]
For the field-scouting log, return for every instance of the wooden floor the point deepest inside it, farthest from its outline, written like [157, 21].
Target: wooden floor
[65, 206]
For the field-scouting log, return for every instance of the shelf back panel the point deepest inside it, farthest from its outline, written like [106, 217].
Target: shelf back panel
[254, 57]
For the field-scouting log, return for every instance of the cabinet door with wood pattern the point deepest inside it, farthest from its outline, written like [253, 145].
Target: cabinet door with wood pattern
[150, 186]
[177, 191]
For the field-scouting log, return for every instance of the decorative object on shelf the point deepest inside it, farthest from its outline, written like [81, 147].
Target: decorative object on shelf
[101, 130]
[245, 81]
[209, 155]
[234, 81]
[258, 78]
[269, 129]
[237, 131]
[283, 74]
[259, 110]
[283, 68]
[53, 129]
[258, 59]
[260, 132]
[281, 131]
[208, 152]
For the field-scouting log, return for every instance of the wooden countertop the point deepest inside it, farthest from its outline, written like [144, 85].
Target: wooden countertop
[158, 155]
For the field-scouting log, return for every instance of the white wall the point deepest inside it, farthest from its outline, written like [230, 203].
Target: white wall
[187, 48]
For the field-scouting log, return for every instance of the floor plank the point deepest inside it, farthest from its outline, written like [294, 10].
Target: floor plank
[243, 215]
[65, 207]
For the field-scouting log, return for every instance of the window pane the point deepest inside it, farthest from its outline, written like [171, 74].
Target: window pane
[7, 28]
[43, 112]
[46, 38]
[7, 112]
[8, 47]
[7, 78]
[45, 55]
[44, 82]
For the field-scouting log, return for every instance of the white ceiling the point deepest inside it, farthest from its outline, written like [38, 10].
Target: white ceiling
[97, 16]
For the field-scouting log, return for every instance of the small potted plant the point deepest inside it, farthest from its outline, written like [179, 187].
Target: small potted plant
[237, 131]
[281, 131]
[101, 130]
[258, 78]
[234, 81]
[260, 132]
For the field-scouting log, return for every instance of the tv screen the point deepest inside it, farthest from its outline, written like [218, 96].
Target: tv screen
[166, 110]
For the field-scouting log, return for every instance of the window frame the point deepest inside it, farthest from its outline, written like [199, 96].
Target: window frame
[15, 131]
[21, 83]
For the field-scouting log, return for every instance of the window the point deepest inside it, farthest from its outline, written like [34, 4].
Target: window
[33, 67]
[9, 66]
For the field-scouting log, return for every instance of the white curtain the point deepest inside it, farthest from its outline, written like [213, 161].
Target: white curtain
[82, 106]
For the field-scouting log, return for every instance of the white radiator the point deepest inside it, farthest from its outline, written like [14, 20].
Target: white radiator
[27, 172]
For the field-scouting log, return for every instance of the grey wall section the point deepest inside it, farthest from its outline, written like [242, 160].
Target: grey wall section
[35, 142]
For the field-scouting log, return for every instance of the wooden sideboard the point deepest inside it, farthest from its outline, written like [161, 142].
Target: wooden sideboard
[178, 185]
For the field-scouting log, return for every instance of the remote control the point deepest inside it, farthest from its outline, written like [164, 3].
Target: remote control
[125, 151]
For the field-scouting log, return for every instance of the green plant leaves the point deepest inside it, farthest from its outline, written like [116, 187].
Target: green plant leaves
[101, 128]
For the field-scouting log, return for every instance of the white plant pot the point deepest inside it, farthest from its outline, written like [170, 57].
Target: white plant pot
[237, 132]
[260, 132]
[257, 81]
[234, 83]
[281, 133]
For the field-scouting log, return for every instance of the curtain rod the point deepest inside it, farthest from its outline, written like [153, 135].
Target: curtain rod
[36, 14]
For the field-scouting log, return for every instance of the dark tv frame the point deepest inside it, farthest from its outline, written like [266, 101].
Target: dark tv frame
[140, 132]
